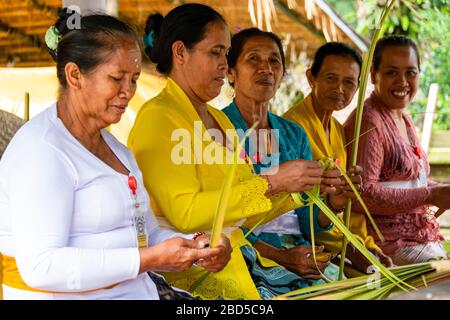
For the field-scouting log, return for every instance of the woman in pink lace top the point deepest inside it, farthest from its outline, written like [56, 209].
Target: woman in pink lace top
[395, 186]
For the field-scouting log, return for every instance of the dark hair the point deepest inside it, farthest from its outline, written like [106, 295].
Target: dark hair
[89, 43]
[396, 41]
[334, 49]
[186, 23]
[239, 39]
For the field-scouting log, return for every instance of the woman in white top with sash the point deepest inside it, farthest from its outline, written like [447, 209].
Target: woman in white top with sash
[75, 218]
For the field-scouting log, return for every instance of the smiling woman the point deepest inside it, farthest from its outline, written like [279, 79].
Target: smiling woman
[333, 78]
[396, 185]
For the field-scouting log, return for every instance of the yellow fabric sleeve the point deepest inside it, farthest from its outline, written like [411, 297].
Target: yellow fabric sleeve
[281, 203]
[305, 116]
[188, 193]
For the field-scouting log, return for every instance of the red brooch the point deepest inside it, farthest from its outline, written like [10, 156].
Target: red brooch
[417, 151]
[132, 184]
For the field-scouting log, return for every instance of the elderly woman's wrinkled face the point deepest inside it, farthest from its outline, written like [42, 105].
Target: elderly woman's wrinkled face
[397, 78]
[107, 89]
[336, 82]
[258, 70]
[206, 62]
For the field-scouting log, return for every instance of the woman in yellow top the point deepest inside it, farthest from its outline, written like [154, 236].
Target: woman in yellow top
[333, 78]
[180, 145]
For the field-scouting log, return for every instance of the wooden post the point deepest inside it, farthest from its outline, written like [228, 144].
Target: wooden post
[429, 114]
[26, 107]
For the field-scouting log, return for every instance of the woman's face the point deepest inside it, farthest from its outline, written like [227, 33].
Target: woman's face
[108, 88]
[258, 70]
[397, 78]
[206, 64]
[336, 82]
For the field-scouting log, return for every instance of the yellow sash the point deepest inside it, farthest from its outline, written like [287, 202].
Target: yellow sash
[321, 147]
[1, 279]
[12, 278]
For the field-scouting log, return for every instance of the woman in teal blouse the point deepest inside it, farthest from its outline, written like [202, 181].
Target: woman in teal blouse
[256, 66]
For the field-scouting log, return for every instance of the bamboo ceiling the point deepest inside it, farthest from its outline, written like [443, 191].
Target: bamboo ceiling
[309, 24]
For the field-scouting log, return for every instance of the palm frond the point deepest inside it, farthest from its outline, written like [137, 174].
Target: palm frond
[225, 191]
[365, 69]
[375, 286]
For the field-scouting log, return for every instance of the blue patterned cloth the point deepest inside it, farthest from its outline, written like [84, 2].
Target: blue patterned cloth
[293, 144]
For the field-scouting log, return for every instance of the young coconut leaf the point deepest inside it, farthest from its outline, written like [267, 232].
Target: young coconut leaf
[353, 240]
[316, 191]
[225, 192]
[367, 58]
[222, 203]
[361, 202]
[373, 287]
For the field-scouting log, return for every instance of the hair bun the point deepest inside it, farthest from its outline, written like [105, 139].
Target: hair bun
[153, 24]
[151, 33]
[63, 16]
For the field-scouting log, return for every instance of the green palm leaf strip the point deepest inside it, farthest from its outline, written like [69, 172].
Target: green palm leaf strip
[307, 292]
[358, 245]
[361, 202]
[260, 222]
[315, 191]
[374, 286]
[222, 203]
[367, 58]
[225, 192]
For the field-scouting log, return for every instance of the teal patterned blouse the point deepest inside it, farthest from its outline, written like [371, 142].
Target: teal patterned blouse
[293, 144]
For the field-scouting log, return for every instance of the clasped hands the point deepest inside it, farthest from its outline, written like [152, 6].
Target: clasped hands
[179, 254]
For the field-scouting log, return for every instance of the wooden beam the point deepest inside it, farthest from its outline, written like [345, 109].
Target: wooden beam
[4, 63]
[31, 23]
[19, 50]
[32, 40]
[298, 19]
[48, 10]
[38, 31]
[5, 42]
[18, 13]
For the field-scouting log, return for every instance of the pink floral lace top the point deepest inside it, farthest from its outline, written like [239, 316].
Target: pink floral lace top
[402, 215]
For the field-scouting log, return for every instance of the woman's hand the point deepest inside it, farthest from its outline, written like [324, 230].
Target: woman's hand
[360, 262]
[332, 181]
[295, 176]
[178, 254]
[216, 262]
[384, 259]
[300, 261]
[338, 200]
[440, 196]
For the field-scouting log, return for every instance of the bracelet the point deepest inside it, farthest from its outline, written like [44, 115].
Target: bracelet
[269, 184]
[198, 234]
[327, 201]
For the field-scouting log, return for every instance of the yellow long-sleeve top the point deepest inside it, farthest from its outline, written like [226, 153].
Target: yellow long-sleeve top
[304, 114]
[183, 171]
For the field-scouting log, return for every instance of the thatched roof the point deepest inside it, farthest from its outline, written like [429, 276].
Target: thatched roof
[310, 23]
[9, 124]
